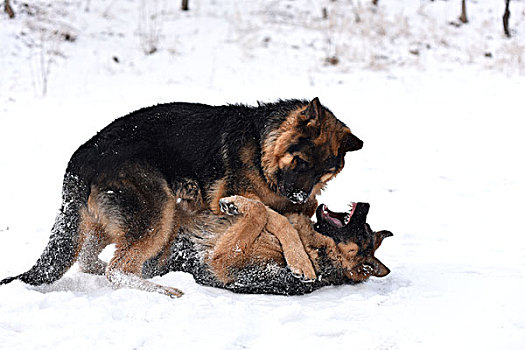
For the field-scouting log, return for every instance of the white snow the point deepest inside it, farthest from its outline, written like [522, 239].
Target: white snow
[442, 164]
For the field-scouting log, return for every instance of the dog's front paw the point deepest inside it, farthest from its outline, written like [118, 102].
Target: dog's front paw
[228, 206]
[301, 267]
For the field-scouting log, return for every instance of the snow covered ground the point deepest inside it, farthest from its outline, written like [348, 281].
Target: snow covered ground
[439, 107]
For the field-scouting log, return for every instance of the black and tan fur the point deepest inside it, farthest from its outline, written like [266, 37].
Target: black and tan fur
[118, 186]
[242, 252]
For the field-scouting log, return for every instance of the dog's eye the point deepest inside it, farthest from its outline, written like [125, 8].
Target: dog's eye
[301, 164]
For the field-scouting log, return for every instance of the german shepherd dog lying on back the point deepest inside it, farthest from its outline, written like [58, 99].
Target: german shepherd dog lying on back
[118, 185]
[242, 253]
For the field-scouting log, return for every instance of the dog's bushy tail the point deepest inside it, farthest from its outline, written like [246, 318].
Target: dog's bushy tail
[64, 243]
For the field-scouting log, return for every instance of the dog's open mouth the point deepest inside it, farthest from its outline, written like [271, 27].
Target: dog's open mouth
[336, 219]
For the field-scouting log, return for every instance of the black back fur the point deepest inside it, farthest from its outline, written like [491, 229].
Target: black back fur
[206, 135]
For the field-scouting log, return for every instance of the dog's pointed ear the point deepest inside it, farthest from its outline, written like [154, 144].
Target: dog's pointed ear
[379, 269]
[370, 267]
[313, 112]
[379, 236]
[351, 143]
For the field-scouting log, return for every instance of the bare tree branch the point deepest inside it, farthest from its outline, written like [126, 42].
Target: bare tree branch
[506, 16]
[463, 18]
[8, 9]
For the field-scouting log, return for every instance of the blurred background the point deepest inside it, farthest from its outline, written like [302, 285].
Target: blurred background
[245, 50]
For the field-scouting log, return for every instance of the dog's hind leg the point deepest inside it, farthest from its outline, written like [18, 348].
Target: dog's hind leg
[136, 210]
[125, 268]
[94, 242]
[124, 271]
[147, 223]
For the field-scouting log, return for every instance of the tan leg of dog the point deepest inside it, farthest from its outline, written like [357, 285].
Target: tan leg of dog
[293, 249]
[88, 260]
[234, 247]
[125, 268]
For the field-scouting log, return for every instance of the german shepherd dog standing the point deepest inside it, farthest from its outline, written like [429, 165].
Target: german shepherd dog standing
[118, 186]
[341, 246]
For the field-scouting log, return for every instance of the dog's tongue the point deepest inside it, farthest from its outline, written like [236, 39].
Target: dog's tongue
[338, 219]
[335, 221]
